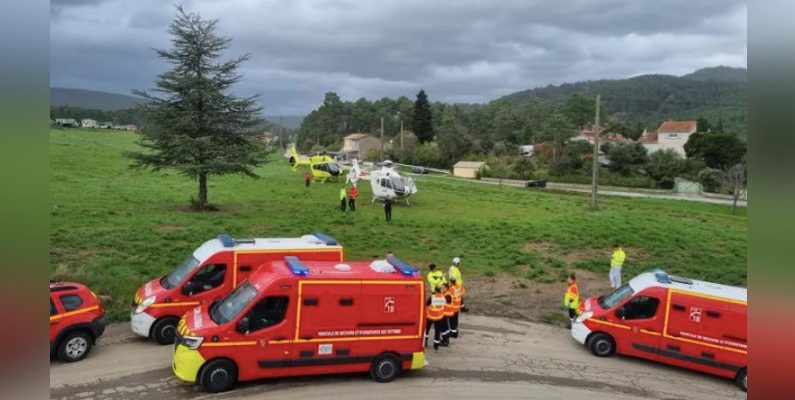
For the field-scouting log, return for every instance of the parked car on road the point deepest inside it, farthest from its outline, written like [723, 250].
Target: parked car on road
[77, 320]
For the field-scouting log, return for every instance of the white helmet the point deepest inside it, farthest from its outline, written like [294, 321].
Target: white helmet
[456, 260]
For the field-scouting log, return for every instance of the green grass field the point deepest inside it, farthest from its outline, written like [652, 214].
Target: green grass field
[113, 227]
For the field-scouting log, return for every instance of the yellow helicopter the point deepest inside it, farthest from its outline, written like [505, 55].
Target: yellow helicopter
[322, 166]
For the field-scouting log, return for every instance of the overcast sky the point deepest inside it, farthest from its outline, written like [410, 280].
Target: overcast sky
[463, 51]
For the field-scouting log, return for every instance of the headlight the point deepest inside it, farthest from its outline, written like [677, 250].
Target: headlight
[582, 317]
[193, 342]
[145, 304]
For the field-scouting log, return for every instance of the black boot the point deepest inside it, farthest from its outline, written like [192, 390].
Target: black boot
[445, 342]
[435, 346]
[454, 335]
[425, 343]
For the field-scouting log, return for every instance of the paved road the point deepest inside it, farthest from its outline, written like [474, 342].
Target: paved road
[493, 358]
[579, 188]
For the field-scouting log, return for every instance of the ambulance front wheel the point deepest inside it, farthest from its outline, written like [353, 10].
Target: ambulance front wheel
[164, 331]
[742, 379]
[218, 376]
[602, 345]
[75, 346]
[385, 368]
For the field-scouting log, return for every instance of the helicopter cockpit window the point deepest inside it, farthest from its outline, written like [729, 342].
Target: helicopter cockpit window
[321, 167]
[386, 183]
[333, 167]
[397, 183]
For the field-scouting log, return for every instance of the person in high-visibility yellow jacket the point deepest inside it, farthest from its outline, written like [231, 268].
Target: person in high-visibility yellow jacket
[571, 299]
[435, 278]
[454, 272]
[343, 197]
[616, 262]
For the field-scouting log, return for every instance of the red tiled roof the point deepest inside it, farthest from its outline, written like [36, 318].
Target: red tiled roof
[648, 137]
[608, 137]
[677, 126]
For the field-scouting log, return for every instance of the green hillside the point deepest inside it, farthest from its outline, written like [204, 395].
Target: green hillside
[712, 93]
[113, 227]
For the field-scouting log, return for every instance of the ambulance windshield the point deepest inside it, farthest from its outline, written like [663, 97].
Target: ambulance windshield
[613, 299]
[178, 274]
[228, 308]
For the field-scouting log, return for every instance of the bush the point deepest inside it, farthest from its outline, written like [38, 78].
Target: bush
[666, 183]
[626, 157]
[665, 164]
[709, 179]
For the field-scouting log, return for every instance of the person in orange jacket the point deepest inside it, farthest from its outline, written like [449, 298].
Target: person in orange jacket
[457, 292]
[571, 299]
[352, 193]
[435, 317]
[449, 312]
[307, 178]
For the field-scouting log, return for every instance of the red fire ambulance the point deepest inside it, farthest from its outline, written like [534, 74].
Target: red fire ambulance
[210, 272]
[77, 320]
[673, 320]
[304, 318]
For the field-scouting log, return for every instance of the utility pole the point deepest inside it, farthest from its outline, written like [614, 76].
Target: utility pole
[382, 139]
[595, 174]
[401, 134]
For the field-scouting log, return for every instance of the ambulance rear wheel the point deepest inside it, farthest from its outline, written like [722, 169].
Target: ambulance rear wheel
[75, 346]
[218, 376]
[164, 331]
[385, 368]
[602, 345]
[742, 379]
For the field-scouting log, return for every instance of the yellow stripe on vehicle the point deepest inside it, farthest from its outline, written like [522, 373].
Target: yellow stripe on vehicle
[75, 312]
[225, 344]
[179, 304]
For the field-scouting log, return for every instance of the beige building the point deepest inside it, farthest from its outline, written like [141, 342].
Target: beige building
[670, 135]
[467, 169]
[358, 144]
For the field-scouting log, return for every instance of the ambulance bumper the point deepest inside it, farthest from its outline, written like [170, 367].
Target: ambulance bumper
[579, 332]
[141, 323]
[417, 360]
[186, 363]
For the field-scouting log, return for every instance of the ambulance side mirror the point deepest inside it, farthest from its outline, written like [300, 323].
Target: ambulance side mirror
[243, 325]
[620, 313]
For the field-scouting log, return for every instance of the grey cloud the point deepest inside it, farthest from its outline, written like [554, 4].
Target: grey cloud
[470, 52]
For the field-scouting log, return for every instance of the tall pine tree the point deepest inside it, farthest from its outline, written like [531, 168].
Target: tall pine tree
[193, 125]
[421, 122]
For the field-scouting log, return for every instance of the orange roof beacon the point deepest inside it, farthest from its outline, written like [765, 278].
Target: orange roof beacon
[214, 269]
[678, 321]
[295, 317]
[77, 320]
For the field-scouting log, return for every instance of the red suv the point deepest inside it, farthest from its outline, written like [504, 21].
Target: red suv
[76, 320]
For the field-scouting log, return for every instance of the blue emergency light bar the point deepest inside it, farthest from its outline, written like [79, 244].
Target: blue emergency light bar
[226, 240]
[662, 276]
[296, 266]
[404, 268]
[325, 238]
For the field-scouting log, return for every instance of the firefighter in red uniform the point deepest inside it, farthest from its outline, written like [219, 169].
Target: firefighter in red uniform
[435, 315]
[457, 293]
[449, 312]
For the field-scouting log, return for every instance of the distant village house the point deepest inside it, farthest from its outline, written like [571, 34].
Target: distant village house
[670, 135]
[467, 169]
[89, 123]
[357, 145]
[69, 122]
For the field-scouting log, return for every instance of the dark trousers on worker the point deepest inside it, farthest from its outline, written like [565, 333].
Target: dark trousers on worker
[342, 205]
[454, 325]
[307, 182]
[439, 327]
[388, 214]
[352, 204]
[572, 314]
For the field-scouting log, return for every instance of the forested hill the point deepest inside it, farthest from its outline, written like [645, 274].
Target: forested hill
[91, 99]
[717, 93]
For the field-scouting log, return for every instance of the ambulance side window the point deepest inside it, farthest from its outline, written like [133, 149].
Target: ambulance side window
[268, 312]
[641, 307]
[209, 277]
[71, 302]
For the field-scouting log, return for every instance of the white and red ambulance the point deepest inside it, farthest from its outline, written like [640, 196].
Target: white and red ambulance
[683, 322]
[214, 269]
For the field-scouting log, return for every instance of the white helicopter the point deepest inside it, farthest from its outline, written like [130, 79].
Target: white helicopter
[386, 182]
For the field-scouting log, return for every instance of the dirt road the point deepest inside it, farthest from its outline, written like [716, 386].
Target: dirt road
[493, 358]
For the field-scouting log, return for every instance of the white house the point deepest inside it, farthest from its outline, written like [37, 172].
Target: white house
[66, 122]
[88, 123]
[670, 135]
